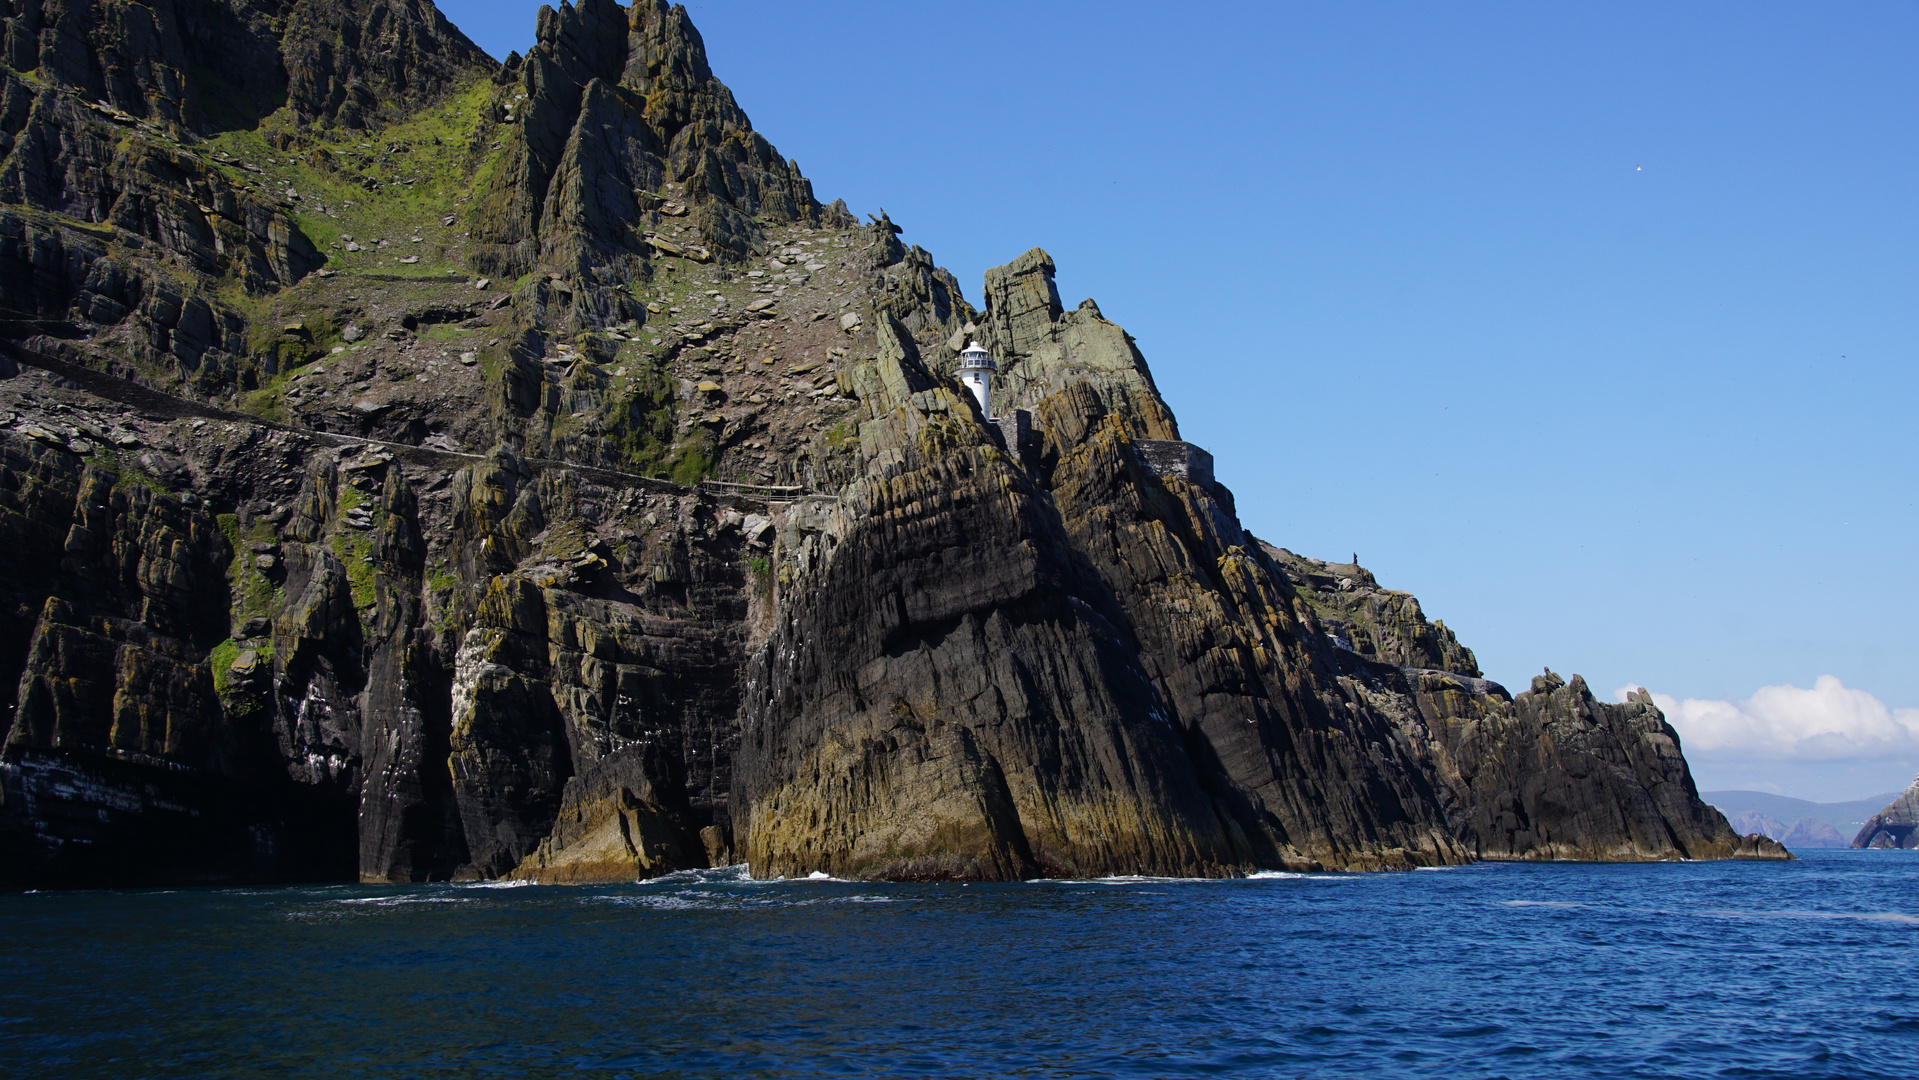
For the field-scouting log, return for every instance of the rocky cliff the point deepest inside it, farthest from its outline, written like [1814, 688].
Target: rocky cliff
[1897, 826]
[414, 467]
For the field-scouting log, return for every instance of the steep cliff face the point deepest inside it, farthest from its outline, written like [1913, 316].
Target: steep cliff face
[949, 695]
[615, 123]
[1379, 624]
[874, 744]
[1557, 774]
[121, 222]
[196, 66]
[134, 753]
[1897, 826]
[338, 557]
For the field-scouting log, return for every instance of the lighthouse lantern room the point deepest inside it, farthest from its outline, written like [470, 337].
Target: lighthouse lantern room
[976, 374]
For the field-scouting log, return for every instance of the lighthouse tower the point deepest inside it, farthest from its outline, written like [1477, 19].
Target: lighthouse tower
[976, 374]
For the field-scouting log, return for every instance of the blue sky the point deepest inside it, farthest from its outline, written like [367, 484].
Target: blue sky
[1594, 326]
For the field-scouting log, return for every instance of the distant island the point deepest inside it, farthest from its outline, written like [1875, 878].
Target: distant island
[1880, 821]
[1807, 824]
[1895, 826]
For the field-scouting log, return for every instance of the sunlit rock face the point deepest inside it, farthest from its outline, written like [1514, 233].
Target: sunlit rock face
[1897, 826]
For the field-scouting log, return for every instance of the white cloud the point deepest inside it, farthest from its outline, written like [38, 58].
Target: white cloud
[1826, 723]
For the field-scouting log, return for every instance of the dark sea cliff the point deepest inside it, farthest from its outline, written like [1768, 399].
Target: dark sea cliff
[1490, 970]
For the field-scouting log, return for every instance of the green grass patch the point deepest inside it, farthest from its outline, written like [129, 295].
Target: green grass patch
[565, 541]
[268, 402]
[114, 464]
[355, 547]
[443, 590]
[691, 466]
[252, 591]
[642, 416]
[221, 661]
[355, 551]
[400, 179]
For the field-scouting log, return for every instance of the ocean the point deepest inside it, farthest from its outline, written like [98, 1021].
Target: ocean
[1801, 970]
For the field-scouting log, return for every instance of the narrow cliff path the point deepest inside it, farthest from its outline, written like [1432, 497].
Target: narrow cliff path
[162, 405]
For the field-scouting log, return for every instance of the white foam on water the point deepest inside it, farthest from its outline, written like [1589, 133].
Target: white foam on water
[1896, 917]
[692, 900]
[682, 900]
[717, 875]
[1129, 879]
[672, 902]
[396, 901]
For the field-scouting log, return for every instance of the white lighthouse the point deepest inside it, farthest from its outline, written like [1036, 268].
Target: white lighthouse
[976, 374]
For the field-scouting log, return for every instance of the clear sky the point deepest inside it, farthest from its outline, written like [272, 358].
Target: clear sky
[1594, 326]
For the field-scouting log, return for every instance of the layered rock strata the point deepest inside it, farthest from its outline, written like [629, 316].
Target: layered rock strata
[335, 553]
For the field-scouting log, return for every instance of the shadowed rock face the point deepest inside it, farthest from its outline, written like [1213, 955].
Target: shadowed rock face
[525, 633]
[131, 757]
[1897, 826]
[1558, 774]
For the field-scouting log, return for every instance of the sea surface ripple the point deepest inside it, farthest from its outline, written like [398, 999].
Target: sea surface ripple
[1803, 970]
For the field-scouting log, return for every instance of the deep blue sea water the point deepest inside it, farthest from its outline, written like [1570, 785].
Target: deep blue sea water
[1809, 969]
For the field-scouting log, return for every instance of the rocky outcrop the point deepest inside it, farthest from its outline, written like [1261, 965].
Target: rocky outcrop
[948, 696]
[359, 63]
[117, 221]
[130, 239]
[622, 818]
[327, 560]
[1558, 774]
[205, 66]
[615, 122]
[1043, 349]
[915, 710]
[1379, 624]
[1897, 826]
